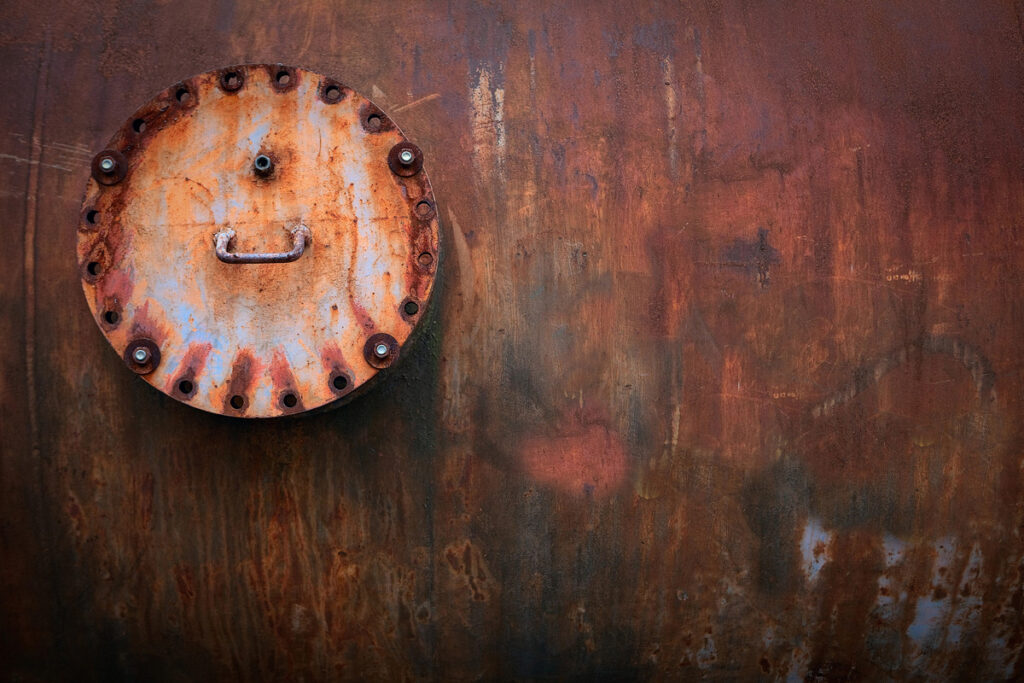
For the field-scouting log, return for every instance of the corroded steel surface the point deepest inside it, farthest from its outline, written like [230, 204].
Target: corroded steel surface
[183, 202]
[722, 378]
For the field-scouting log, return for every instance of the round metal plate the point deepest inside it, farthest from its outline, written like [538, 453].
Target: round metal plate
[258, 339]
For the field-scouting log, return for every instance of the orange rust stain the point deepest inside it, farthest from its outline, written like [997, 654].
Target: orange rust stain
[584, 459]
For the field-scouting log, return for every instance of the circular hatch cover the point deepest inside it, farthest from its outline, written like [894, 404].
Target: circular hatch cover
[258, 241]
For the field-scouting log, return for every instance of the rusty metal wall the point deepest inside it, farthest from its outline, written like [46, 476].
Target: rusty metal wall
[723, 379]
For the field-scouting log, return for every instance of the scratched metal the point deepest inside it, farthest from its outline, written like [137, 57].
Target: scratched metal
[263, 339]
[722, 378]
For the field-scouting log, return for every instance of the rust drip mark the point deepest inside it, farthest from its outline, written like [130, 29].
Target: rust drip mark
[361, 314]
[757, 256]
[286, 392]
[243, 376]
[466, 563]
[340, 378]
[146, 325]
[966, 354]
[183, 384]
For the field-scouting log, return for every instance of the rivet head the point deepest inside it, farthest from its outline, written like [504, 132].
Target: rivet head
[107, 165]
[141, 355]
[406, 156]
[380, 350]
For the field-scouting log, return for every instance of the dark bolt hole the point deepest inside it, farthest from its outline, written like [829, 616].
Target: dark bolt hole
[232, 81]
[138, 125]
[182, 95]
[423, 209]
[289, 400]
[237, 402]
[411, 308]
[185, 386]
[111, 317]
[263, 163]
[94, 269]
[91, 215]
[373, 122]
[340, 382]
[283, 78]
[332, 93]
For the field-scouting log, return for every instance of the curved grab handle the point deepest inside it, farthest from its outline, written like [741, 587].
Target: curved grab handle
[300, 238]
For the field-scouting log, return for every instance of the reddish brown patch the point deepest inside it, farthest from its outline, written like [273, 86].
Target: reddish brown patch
[243, 374]
[284, 383]
[113, 291]
[334, 362]
[582, 459]
[192, 365]
[146, 325]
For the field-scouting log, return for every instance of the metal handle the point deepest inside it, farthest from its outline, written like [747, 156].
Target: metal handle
[300, 238]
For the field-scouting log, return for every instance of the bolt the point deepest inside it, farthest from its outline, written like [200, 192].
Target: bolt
[381, 350]
[406, 156]
[263, 165]
[107, 165]
[141, 355]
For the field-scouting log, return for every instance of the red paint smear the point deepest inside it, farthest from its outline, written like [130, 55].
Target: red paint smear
[192, 365]
[590, 461]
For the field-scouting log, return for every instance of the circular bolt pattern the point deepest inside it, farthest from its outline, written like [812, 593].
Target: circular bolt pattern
[251, 340]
